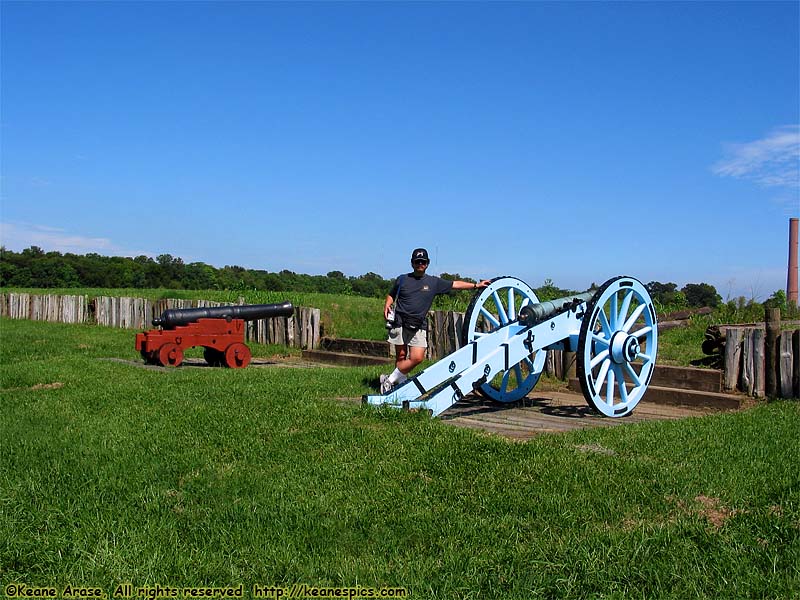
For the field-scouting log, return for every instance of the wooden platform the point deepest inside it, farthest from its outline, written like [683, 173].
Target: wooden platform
[552, 412]
[344, 359]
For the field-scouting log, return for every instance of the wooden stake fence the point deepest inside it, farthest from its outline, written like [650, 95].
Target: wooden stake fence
[763, 360]
[301, 330]
[57, 309]
[444, 333]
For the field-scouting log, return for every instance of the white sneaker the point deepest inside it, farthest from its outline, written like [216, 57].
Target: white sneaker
[386, 385]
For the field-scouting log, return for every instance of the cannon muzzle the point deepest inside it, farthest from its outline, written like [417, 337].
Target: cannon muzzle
[534, 313]
[174, 317]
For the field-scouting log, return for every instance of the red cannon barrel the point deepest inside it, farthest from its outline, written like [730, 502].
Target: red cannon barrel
[175, 317]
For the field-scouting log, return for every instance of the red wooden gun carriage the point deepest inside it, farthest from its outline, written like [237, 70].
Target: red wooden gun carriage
[218, 330]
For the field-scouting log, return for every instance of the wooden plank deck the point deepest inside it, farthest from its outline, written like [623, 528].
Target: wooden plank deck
[551, 412]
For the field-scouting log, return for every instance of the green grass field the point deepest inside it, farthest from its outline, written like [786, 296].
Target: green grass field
[112, 473]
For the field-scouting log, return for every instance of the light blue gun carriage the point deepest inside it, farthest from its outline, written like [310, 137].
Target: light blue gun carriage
[506, 334]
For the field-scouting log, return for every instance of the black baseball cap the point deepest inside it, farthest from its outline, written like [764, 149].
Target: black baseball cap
[420, 254]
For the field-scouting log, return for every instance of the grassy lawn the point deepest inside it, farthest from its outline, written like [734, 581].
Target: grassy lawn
[111, 473]
[681, 345]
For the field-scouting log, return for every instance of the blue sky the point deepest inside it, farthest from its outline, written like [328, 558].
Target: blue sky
[570, 141]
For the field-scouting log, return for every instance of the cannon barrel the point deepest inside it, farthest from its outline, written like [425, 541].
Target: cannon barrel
[174, 317]
[533, 313]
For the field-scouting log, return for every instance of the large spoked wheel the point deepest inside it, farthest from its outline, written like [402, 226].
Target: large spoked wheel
[617, 346]
[496, 306]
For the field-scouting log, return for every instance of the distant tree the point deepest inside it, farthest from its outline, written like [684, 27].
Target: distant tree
[656, 289]
[121, 272]
[454, 277]
[779, 300]
[12, 270]
[33, 252]
[371, 285]
[66, 276]
[48, 271]
[666, 294]
[335, 282]
[172, 270]
[34, 268]
[231, 278]
[199, 276]
[701, 294]
[549, 291]
[273, 282]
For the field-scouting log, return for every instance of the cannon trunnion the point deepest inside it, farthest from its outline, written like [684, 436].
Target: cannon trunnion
[506, 335]
[218, 330]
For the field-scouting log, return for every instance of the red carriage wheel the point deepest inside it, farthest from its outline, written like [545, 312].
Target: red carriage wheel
[170, 355]
[237, 356]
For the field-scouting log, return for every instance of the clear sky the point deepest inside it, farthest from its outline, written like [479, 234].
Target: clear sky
[570, 141]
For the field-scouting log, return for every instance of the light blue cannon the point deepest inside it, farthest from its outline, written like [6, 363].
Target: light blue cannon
[506, 334]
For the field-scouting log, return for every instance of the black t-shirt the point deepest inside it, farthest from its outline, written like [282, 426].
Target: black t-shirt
[413, 297]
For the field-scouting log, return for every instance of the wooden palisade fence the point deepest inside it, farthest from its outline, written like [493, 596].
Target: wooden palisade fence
[762, 359]
[302, 330]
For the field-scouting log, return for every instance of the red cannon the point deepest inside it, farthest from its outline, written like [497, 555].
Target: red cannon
[219, 330]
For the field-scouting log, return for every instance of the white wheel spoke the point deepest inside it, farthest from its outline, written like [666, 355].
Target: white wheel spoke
[501, 311]
[612, 311]
[606, 326]
[626, 305]
[633, 375]
[610, 387]
[490, 317]
[632, 319]
[623, 391]
[512, 307]
[600, 357]
[601, 374]
[603, 341]
[639, 333]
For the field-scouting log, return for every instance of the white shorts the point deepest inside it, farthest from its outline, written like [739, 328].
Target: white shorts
[400, 336]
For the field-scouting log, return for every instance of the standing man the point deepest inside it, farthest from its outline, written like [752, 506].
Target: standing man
[412, 295]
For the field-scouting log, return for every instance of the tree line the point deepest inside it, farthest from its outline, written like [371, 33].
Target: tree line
[35, 268]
